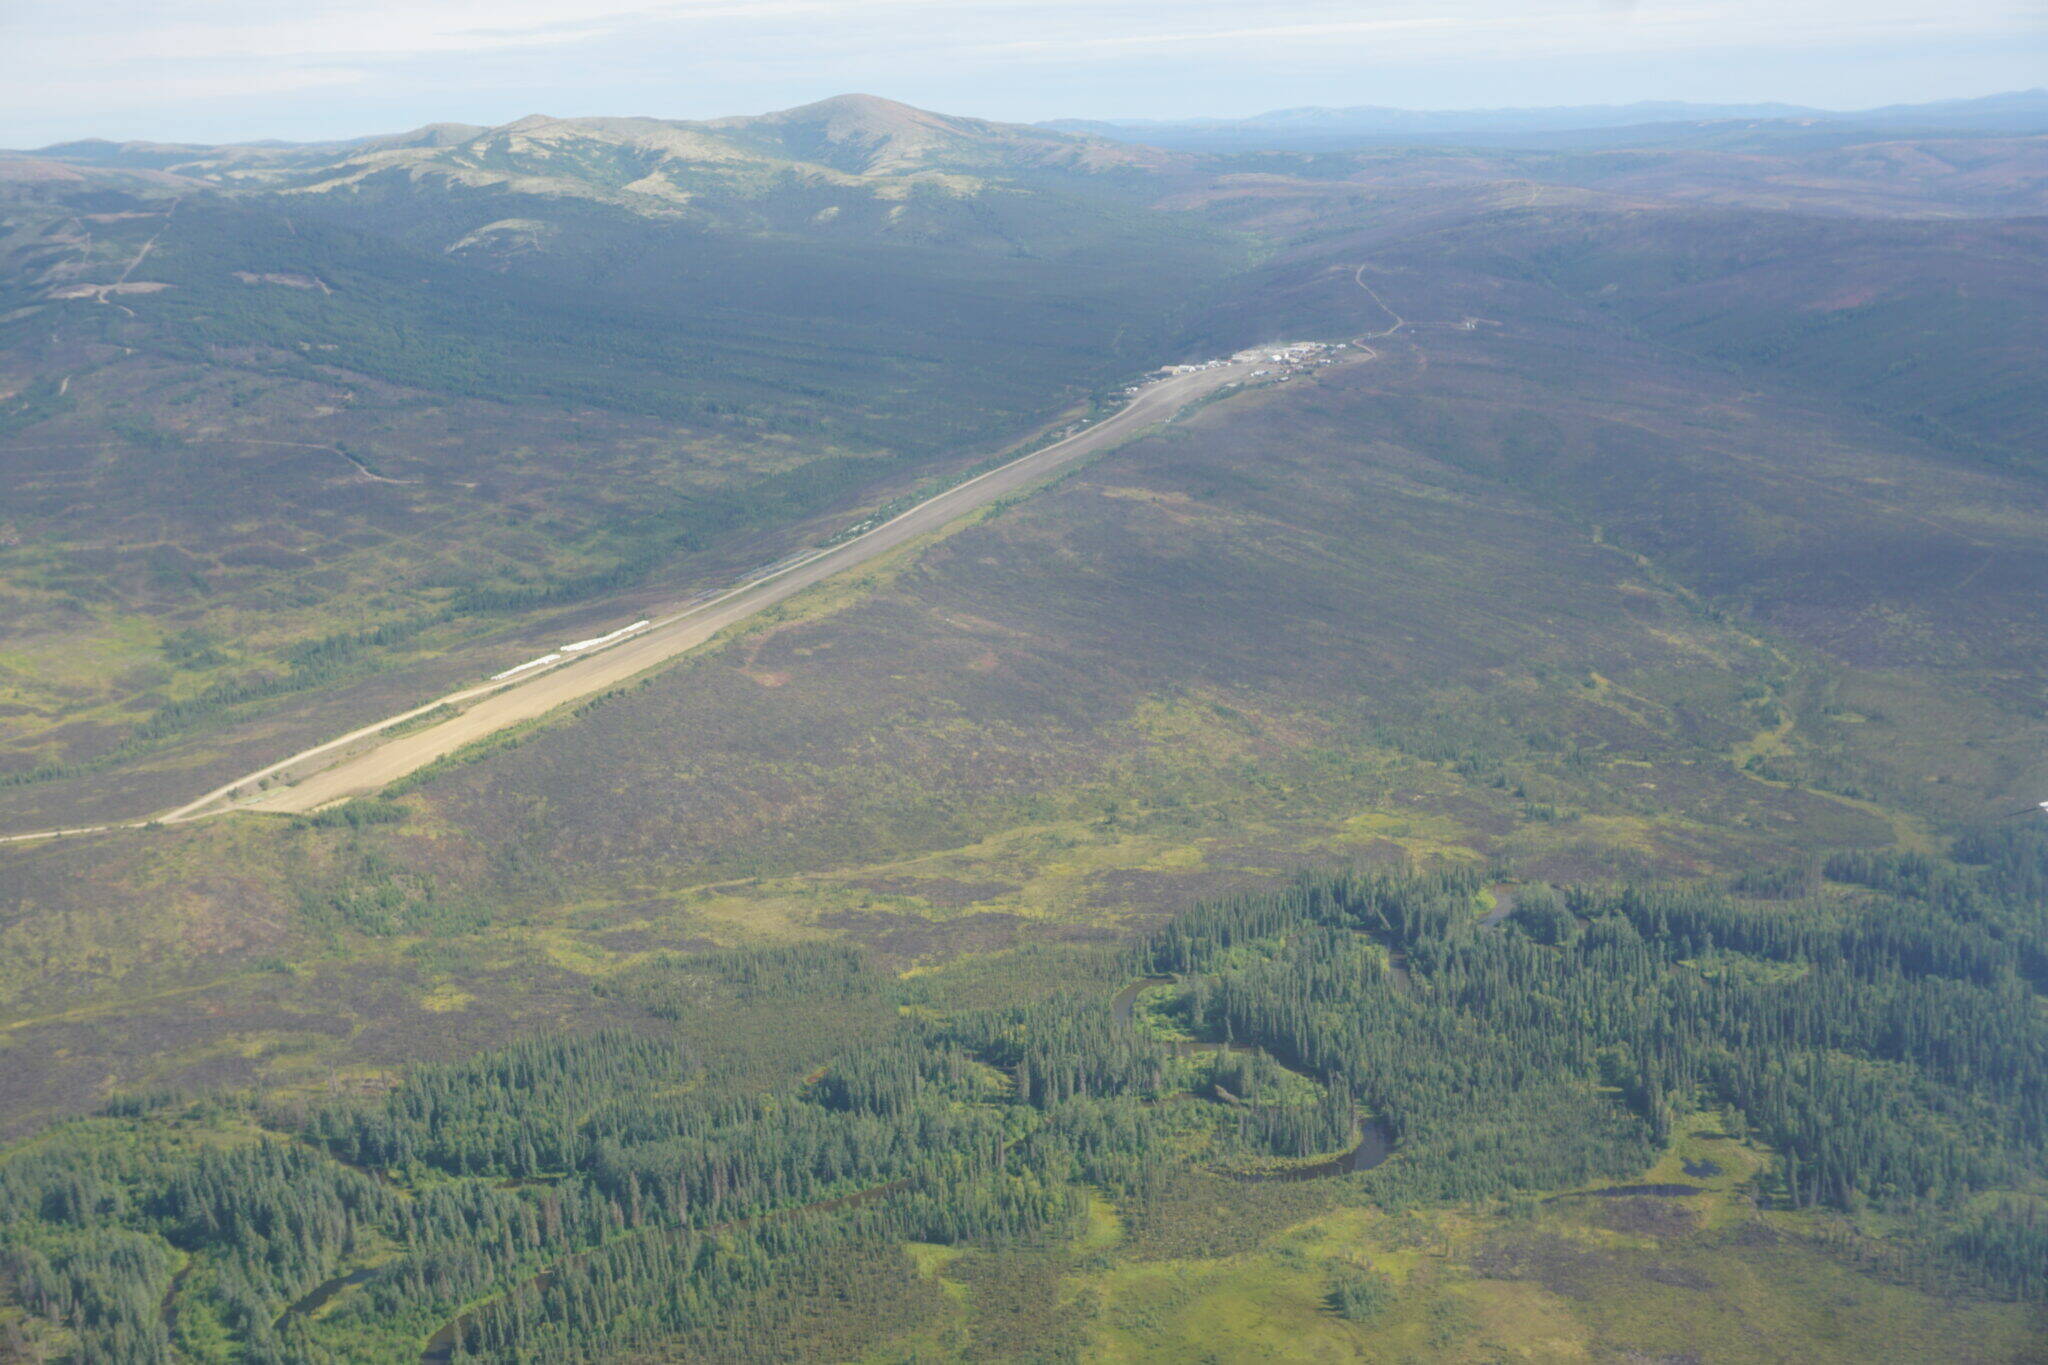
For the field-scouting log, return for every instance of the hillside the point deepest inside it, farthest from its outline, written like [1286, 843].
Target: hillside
[399, 339]
[371, 331]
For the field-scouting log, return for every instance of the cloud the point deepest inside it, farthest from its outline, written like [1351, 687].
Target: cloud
[239, 63]
[111, 95]
[1490, 30]
[237, 31]
[1235, 37]
[47, 37]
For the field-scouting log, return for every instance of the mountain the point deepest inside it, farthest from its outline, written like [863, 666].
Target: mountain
[2015, 111]
[199, 156]
[850, 136]
[865, 135]
[155, 156]
[1319, 129]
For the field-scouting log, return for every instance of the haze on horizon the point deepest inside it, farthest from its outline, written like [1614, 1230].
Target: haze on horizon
[187, 70]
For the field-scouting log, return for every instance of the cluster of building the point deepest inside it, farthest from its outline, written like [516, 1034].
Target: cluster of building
[1191, 369]
[1284, 360]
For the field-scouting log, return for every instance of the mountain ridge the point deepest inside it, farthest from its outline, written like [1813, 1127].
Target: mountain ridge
[859, 135]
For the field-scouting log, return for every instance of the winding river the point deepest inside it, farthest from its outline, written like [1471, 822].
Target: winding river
[1375, 1143]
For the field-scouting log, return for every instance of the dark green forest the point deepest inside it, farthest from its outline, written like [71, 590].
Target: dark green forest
[580, 1197]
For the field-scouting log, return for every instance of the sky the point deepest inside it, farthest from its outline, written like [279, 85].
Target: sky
[225, 70]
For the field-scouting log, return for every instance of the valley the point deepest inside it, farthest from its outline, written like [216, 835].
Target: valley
[890, 808]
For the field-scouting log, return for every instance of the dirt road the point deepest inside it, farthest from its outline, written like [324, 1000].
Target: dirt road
[1399, 322]
[361, 762]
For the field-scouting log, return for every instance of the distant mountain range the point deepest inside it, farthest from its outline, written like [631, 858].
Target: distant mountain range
[851, 135]
[864, 135]
[1315, 128]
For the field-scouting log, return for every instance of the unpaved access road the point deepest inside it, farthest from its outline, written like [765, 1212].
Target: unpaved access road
[360, 762]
